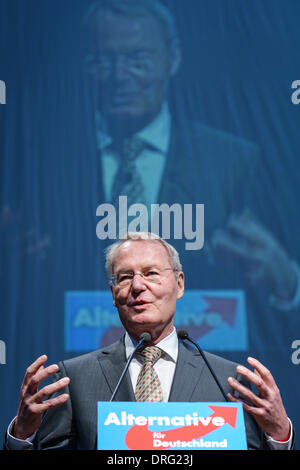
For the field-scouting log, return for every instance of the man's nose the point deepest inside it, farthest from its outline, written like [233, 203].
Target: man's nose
[138, 283]
[121, 69]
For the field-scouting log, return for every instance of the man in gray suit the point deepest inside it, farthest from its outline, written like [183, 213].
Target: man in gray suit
[146, 281]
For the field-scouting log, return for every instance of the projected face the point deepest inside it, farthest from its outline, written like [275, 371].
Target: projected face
[133, 64]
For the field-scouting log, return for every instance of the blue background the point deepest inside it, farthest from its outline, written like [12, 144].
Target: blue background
[239, 61]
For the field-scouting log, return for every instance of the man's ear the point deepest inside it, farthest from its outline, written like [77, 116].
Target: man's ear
[176, 59]
[180, 285]
[113, 292]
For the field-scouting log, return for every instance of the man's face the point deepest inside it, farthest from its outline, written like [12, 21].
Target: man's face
[142, 305]
[134, 66]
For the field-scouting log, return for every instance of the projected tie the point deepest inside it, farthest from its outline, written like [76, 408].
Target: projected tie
[148, 387]
[127, 181]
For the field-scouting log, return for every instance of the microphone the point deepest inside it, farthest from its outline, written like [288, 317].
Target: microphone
[183, 334]
[144, 338]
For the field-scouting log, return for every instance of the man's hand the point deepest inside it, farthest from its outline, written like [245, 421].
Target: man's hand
[266, 407]
[265, 260]
[31, 404]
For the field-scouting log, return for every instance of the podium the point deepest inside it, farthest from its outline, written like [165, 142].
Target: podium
[160, 426]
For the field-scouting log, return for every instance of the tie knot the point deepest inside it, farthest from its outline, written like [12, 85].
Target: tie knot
[150, 354]
[132, 147]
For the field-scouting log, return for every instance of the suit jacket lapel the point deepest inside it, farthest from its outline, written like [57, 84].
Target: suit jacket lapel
[188, 371]
[112, 362]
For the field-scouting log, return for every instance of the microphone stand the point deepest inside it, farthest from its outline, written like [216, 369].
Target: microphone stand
[144, 338]
[183, 334]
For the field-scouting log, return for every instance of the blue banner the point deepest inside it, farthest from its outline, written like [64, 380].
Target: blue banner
[171, 426]
[216, 318]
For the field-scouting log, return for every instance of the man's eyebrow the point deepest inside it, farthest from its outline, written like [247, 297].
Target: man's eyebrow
[125, 270]
[148, 266]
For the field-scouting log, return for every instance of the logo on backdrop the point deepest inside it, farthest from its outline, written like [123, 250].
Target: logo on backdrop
[217, 318]
[2, 352]
[2, 92]
[114, 224]
[295, 97]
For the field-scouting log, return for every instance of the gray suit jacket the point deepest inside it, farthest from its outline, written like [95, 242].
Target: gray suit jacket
[94, 376]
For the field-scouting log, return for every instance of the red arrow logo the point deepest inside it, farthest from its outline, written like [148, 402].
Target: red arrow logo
[141, 438]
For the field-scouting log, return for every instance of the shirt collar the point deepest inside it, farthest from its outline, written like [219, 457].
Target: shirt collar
[156, 133]
[169, 345]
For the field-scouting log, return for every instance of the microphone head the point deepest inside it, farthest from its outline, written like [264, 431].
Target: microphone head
[182, 334]
[146, 337]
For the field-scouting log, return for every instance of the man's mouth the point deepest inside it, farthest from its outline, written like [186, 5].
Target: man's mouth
[123, 98]
[138, 303]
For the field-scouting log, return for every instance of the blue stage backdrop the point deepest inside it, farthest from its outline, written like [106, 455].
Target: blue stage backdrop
[212, 91]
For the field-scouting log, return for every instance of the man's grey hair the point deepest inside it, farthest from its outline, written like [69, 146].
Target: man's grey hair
[111, 251]
[137, 8]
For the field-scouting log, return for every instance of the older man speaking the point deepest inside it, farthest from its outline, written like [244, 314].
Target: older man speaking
[146, 280]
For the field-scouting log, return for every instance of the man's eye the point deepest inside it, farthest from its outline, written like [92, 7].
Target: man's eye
[124, 277]
[140, 56]
[151, 273]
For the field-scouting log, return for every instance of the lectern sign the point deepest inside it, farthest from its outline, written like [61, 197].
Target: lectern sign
[163, 426]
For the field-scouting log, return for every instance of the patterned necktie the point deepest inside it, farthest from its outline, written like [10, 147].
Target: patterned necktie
[127, 181]
[148, 387]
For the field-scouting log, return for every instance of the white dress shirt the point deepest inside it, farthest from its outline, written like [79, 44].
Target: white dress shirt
[165, 366]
